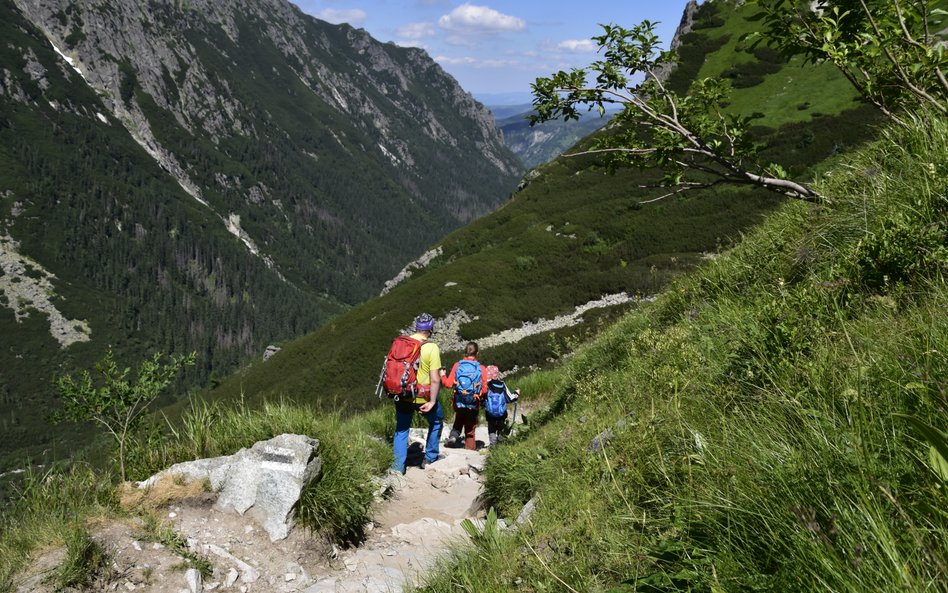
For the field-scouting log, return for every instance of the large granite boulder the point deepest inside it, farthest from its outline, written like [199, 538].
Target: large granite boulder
[265, 480]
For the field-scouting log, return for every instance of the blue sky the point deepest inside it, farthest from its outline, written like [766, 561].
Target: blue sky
[497, 46]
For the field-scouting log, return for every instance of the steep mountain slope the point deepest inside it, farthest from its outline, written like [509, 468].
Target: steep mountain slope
[570, 249]
[543, 142]
[211, 176]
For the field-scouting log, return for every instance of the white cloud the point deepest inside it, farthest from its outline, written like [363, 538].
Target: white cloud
[476, 62]
[353, 16]
[578, 45]
[414, 43]
[416, 30]
[479, 19]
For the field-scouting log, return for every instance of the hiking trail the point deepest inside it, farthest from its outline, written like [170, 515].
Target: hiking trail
[414, 526]
[417, 525]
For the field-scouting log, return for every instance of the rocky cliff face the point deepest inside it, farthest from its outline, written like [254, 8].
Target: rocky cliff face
[160, 49]
[684, 27]
[212, 175]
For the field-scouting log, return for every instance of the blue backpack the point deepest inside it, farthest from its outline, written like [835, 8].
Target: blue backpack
[467, 384]
[496, 404]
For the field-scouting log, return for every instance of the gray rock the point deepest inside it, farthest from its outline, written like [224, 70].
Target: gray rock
[195, 582]
[269, 352]
[526, 511]
[232, 576]
[600, 441]
[265, 480]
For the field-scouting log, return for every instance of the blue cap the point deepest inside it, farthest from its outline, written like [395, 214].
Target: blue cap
[424, 323]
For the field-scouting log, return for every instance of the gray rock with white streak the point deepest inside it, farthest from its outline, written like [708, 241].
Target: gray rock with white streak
[265, 481]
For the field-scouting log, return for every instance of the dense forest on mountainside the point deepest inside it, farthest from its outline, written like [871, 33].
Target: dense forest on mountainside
[574, 233]
[213, 180]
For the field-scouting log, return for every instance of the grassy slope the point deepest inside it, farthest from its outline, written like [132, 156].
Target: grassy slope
[783, 97]
[753, 438]
[508, 268]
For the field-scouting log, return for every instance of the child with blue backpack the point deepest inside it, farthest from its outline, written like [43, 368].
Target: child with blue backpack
[467, 378]
[495, 403]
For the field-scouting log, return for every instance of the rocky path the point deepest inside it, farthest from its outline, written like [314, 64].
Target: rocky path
[416, 526]
[418, 523]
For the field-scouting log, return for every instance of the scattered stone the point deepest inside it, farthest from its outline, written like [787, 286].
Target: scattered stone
[600, 441]
[231, 578]
[269, 352]
[288, 577]
[526, 511]
[130, 585]
[137, 546]
[323, 586]
[193, 577]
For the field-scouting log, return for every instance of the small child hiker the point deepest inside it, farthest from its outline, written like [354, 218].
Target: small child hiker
[495, 404]
[467, 379]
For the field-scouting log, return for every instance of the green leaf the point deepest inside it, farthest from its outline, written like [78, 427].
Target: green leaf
[939, 463]
[938, 454]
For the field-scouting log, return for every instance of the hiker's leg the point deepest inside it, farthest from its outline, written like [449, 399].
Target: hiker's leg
[435, 418]
[456, 428]
[493, 426]
[400, 441]
[470, 423]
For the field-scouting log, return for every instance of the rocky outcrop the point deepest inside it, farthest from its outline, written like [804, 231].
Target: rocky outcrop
[265, 480]
[663, 71]
[419, 264]
[26, 286]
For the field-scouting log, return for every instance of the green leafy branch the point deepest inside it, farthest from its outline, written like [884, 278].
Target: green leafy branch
[117, 403]
[689, 138]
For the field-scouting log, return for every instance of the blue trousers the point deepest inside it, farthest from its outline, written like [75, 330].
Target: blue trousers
[403, 418]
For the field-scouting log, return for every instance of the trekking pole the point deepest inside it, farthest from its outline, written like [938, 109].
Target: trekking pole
[378, 387]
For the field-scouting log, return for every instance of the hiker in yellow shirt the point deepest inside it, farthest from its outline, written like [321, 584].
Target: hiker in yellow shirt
[425, 400]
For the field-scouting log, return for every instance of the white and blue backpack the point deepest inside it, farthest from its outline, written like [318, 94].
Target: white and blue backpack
[496, 403]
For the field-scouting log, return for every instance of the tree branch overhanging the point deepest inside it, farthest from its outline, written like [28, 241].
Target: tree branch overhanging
[676, 134]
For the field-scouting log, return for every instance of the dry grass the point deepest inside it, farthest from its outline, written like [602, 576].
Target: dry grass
[169, 489]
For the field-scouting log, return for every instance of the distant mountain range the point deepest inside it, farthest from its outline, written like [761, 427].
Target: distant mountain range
[543, 142]
[211, 175]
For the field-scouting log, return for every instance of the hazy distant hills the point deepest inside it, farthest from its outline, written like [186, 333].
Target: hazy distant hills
[543, 142]
[211, 176]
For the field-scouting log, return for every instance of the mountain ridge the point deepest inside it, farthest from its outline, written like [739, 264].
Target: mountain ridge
[213, 178]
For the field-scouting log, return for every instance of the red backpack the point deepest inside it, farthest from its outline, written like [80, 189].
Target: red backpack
[399, 373]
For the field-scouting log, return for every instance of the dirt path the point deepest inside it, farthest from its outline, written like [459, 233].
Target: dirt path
[416, 526]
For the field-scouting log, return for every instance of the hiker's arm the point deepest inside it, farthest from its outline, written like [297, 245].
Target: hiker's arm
[435, 375]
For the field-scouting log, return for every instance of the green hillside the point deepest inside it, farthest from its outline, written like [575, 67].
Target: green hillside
[762, 426]
[571, 235]
[772, 421]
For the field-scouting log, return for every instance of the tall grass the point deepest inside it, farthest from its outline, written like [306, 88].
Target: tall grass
[49, 509]
[747, 431]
